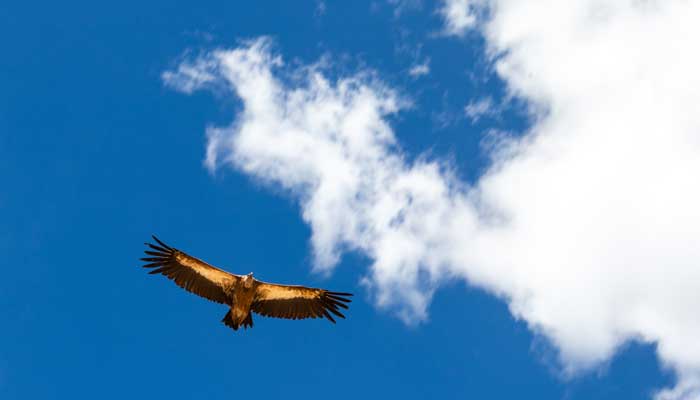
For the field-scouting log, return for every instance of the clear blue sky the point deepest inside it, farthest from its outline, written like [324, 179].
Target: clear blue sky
[96, 154]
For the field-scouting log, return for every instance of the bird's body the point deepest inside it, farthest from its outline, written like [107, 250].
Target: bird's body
[242, 300]
[243, 293]
[243, 296]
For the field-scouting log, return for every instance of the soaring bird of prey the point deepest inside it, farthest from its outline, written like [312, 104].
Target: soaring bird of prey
[242, 293]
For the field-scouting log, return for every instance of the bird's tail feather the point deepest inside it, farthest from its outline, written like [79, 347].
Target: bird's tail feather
[228, 321]
[248, 321]
[231, 323]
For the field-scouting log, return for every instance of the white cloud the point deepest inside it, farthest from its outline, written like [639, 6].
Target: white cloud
[589, 226]
[477, 109]
[420, 69]
[189, 77]
[604, 219]
[459, 15]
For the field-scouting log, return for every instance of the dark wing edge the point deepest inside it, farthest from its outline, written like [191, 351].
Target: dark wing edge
[298, 302]
[188, 272]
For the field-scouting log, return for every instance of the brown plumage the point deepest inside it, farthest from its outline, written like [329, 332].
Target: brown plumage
[243, 293]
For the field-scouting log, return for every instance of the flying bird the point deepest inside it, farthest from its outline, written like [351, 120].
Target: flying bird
[242, 293]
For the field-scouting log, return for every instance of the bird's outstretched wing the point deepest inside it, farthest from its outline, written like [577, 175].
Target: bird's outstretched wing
[297, 302]
[189, 273]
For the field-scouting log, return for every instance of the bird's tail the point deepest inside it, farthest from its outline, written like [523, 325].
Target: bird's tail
[233, 324]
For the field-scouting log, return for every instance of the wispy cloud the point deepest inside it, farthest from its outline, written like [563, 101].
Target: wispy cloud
[321, 8]
[402, 6]
[459, 15]
[420, 69]
[477, 109]
[588, 226]
[189, 77]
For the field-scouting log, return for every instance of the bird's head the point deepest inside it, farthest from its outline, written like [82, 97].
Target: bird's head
[248, 280]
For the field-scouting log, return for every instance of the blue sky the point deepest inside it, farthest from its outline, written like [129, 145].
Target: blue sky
[97, 153]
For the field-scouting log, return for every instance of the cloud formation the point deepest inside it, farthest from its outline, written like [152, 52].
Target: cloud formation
[477, 109]
[603, 211]
[459, 16]
[420, 69]
[588, 226]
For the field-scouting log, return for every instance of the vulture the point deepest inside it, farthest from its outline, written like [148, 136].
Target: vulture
[242, 293]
